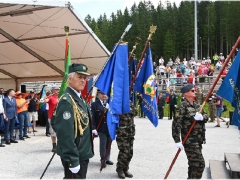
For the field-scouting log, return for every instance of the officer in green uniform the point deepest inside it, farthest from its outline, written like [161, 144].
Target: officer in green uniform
[72, 125]
[187, 112]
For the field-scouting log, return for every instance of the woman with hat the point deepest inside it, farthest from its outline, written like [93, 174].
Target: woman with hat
[22, 108]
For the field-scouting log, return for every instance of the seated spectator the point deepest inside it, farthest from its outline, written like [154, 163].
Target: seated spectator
[161, 61]
[185, 62]
[162, 70]
[218, 65]
[200, 71]
[191, 77]
[210, 71]
[184, 78]
[167, 70]
[170, 62]
[203, 61]
[205, 70]
[221, 58]
[173, 78]
[224, 73]
[187, 70]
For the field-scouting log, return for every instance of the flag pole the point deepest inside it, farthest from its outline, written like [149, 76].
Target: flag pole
[137, 41]
[113, 51]
[66, 29]
[152, 30]
[206, 99]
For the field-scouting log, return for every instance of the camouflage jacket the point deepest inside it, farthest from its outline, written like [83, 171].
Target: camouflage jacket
[199, 97]
[126, 123]
[184, 119]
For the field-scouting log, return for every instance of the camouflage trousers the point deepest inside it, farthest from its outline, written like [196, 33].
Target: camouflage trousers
[212, 112]
[125, 146]
[196, 163]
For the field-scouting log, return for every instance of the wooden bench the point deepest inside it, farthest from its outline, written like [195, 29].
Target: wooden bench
[233, 160]
[218, 170]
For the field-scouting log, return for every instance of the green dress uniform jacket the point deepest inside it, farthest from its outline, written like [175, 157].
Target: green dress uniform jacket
[70, 148]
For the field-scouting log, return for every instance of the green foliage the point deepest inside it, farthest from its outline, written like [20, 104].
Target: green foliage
[218, 27]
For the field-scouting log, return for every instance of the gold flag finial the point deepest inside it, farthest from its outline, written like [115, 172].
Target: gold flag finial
[152, 30]
[66, 29]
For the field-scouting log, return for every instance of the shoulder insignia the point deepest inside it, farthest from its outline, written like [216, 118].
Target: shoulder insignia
[64, 98]
[66, 115]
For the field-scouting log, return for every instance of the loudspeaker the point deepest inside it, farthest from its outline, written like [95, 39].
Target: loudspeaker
[23, 88]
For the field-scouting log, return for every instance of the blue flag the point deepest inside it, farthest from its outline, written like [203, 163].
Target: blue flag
[132, 70]
[113, 82]
[230, 88]
[145, 85]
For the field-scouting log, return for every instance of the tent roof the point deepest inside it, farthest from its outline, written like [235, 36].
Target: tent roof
[32, 41]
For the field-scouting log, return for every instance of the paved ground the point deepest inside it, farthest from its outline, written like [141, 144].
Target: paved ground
[154, 150]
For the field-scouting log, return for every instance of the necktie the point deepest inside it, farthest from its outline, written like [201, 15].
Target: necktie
[104, 103]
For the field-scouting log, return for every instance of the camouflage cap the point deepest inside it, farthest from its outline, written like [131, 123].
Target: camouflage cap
[78, 68]
[186, 88]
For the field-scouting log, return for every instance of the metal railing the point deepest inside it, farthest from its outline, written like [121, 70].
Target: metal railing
[176, 83]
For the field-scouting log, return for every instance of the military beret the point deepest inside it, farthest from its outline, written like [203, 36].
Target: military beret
[78, 68]
[186, 88]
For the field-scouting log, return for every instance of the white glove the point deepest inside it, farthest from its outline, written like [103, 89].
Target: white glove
[95, 132]
[179, 145]
[75, 169]
[175, 105]
[198, 117]
[107, 106]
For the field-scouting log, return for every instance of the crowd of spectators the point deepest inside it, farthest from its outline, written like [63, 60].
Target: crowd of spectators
[25, 108]
[192, 71]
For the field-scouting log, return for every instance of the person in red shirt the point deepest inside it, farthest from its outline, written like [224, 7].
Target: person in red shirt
[52, 101]
[224, 73]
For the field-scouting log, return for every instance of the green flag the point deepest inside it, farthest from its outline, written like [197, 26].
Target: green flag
[66, 65]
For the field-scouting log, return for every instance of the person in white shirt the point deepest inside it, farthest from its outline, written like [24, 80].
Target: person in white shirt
[162, 70]
[161, 61]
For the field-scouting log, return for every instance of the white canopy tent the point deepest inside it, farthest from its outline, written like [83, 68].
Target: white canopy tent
[32, 42]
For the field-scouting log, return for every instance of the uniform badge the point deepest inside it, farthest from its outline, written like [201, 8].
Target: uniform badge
[66, 115]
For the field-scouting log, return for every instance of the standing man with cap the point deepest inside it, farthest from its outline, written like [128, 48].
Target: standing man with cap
[99, 107]
[22, 109]
[52, 101]
[73, 125]
[188, 111]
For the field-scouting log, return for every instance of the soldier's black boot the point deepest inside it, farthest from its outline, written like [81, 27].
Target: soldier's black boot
[120, 173]
[128, 174]
[54, 147]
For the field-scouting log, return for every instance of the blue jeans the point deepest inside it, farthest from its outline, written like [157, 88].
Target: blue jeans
[9, 126]
[23, 121]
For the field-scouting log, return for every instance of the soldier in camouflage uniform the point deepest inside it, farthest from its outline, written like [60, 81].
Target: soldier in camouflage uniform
[199, 96]
[212, 108]
[125, 137]
[187, 112]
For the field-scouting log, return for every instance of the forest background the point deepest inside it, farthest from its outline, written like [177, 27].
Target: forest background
[218, 28]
